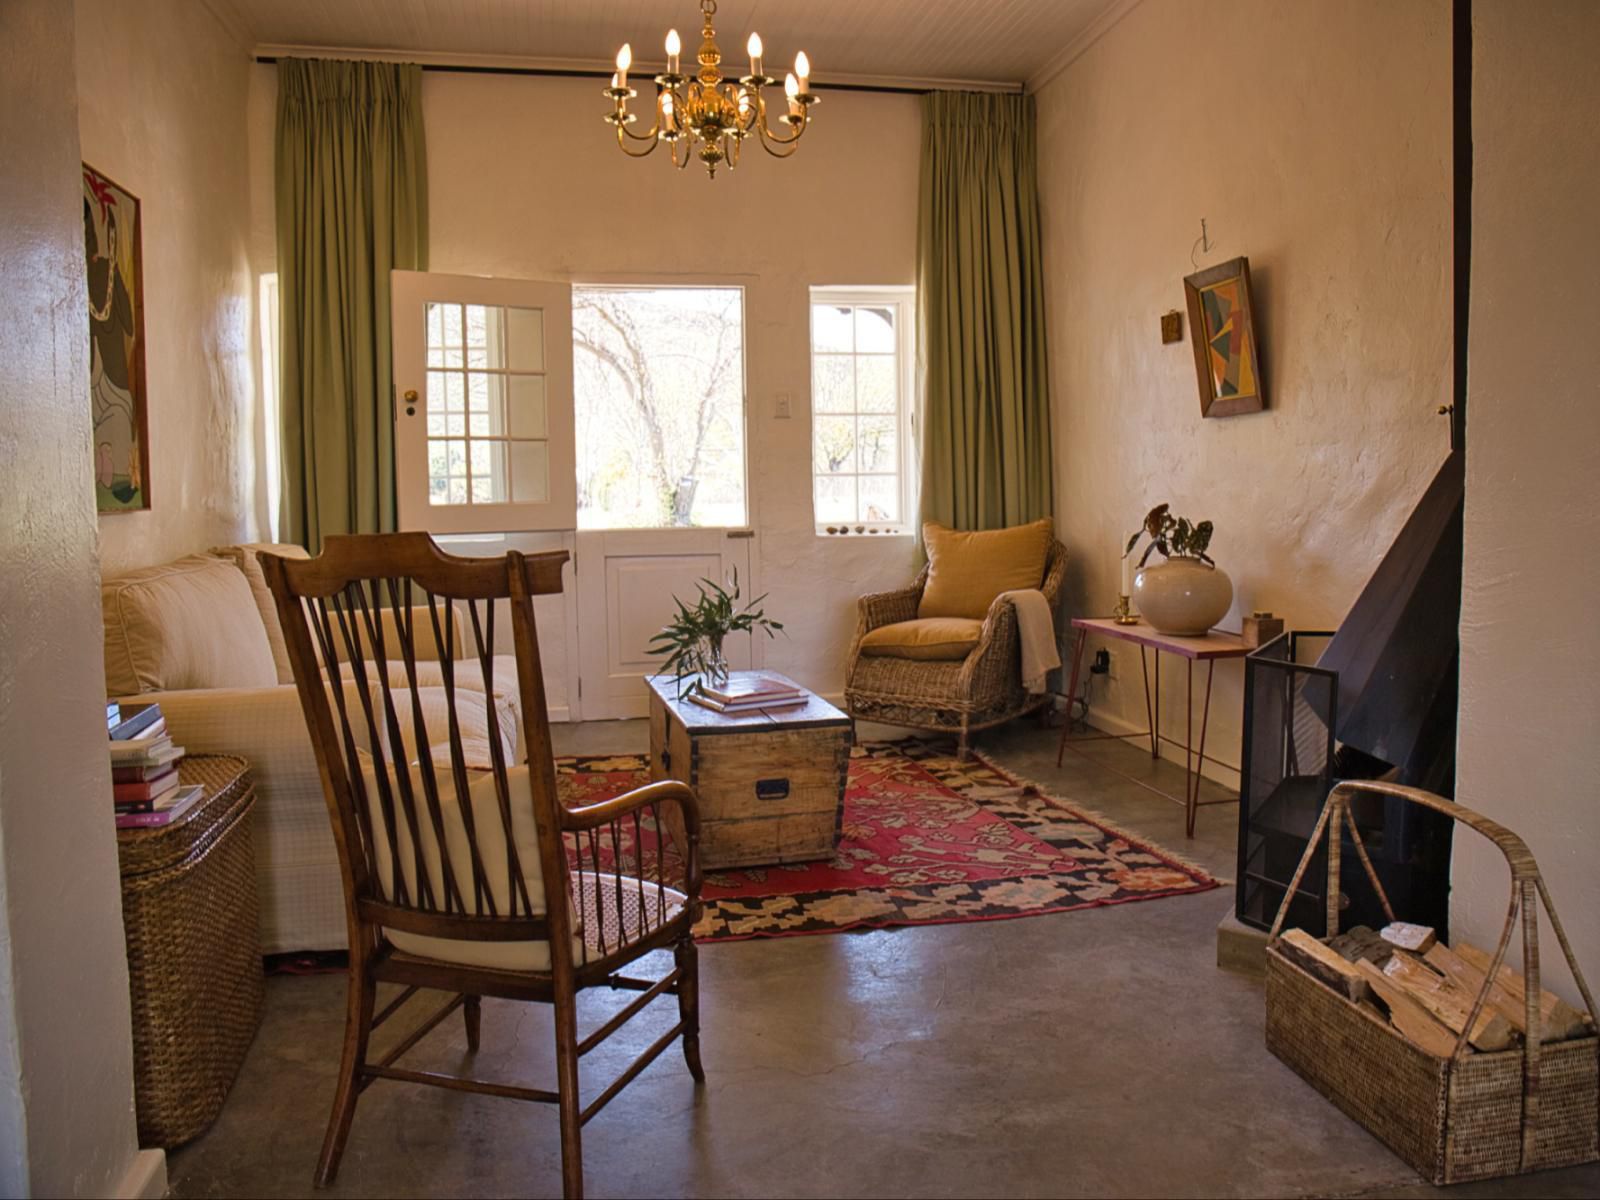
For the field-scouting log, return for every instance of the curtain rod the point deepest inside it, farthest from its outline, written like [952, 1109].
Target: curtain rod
[587, 73]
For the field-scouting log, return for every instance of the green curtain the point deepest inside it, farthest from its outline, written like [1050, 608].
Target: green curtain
[980, 314]
[352, 184]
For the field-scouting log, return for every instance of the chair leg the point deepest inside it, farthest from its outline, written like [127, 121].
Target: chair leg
[357, 1028]
[963, 743]
[472, 1011]
[566, 1006]
[688, 959]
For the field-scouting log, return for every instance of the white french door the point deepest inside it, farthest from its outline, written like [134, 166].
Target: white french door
[631, 576]
[499, 443]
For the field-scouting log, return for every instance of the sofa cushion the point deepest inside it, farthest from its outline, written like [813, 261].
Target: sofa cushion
[244, 557]
[933, 639]
[186, 624]
[966, 571]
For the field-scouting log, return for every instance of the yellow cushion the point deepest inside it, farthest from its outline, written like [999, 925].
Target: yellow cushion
[244, 557]
[186, 624]
[935, 639]
[966, 571]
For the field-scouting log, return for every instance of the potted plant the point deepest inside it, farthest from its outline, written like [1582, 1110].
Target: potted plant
[1186, 594]
[692, 643]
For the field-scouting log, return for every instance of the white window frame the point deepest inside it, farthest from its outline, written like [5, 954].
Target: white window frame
[903, 300]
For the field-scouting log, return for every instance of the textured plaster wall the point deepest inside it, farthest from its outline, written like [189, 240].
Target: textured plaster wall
[525, 181]
[66, 1071]
[1530, 647]
[1313, 139]
[162, 98]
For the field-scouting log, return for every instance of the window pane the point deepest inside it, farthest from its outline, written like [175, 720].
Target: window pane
[877, 389]
[831, 328]
[834, 439]
[875, 445]
[530, 472]
[880, 498]
[836, 498]
[875, 331]
[659, 400]
[833, 385]
[524, 340]
[528, 416]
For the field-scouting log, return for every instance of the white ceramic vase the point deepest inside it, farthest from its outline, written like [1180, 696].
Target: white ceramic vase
[1182, 596]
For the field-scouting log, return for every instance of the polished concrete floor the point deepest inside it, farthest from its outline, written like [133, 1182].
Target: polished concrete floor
[1096, 1053]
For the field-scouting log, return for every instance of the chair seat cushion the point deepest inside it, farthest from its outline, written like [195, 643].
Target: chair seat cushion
[966, 571]
[929, 639]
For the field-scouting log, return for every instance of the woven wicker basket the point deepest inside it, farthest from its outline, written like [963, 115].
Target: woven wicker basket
[194, 961]
[1469, 1116]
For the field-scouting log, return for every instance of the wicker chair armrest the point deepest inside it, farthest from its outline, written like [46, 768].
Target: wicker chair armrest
[995, 657]
[887, 608]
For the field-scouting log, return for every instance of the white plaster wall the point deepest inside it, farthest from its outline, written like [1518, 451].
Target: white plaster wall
[1313, 139]
[161, 95]
[1530, 646]
[66, 1069]
[525, 180]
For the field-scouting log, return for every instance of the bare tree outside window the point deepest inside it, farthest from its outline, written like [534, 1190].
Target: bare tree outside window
[659, 398]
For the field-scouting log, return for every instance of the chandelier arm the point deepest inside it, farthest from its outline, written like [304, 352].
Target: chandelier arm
[783, 149]
[623, 136]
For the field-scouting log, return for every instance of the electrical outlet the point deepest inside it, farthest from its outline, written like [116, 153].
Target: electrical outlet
[1101, 664]
[781, 409]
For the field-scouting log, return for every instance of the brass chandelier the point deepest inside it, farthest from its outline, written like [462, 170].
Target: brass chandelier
[705, 116]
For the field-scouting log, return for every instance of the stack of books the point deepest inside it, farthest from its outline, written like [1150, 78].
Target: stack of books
[750, 692]
[144, 768]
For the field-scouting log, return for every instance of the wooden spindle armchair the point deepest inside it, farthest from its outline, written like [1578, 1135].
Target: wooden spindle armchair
[462, 870]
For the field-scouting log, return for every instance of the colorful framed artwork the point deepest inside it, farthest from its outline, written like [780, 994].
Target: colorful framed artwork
[117, 399]
[1227, 358]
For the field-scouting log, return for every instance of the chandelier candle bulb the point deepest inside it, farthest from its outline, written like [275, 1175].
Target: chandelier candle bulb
[791, 88]
[754, 47]
[674, 47]
[802, 70]
[624, 61]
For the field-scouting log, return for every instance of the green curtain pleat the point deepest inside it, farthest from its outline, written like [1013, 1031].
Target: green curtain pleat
[352, 196]
[986, 458]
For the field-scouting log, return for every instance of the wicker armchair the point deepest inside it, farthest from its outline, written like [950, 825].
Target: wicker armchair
[978, 692]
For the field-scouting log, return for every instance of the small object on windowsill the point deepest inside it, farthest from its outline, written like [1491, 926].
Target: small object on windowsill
[1123, 613]
[1259, 628]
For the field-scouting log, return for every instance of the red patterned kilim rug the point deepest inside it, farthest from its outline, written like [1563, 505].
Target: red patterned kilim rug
[927, 840]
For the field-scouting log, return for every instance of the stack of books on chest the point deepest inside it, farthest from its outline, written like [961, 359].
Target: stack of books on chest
[144, 768]
[751, 692]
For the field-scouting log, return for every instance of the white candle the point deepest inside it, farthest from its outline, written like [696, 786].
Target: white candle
[802, 69]
[754, 47]
[791, 88]
[674, 45]
[624, 61]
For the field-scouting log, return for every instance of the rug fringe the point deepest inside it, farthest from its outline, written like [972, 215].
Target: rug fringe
[1101, 820]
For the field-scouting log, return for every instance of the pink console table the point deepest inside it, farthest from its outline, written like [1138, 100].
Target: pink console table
[1207, 649]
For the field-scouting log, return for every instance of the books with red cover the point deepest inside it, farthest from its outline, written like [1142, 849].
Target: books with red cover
[139, 773]
[147, 789]
[187, 798]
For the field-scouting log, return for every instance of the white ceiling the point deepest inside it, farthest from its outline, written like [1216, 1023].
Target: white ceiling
[995, 42]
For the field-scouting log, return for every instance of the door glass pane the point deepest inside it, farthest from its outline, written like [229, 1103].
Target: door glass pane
[486, 384]
[659, 394]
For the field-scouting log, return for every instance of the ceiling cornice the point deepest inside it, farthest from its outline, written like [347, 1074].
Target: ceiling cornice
[1078, 46]
[602, 67]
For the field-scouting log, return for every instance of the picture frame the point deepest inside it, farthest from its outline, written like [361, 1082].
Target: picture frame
[1227, 353]
[118, 400]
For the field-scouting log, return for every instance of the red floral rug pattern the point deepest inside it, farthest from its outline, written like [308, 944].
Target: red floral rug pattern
[926, 839]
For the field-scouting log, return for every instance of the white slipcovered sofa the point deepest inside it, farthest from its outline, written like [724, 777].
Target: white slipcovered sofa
[201, 636]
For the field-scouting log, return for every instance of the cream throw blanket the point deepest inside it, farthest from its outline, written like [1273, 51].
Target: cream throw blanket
[1036, 630]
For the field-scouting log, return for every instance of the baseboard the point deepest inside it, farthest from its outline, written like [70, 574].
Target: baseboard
[1108, 723]
[146, 1177]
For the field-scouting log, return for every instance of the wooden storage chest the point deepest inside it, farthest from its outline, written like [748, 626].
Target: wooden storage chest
[771, 784]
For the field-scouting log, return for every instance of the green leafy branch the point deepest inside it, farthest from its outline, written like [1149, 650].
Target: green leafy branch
[1173, 536]
[692, 641]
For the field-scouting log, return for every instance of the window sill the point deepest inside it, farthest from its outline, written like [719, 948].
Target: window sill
[840, 532]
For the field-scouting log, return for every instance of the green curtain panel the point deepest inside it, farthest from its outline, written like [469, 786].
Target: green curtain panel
[981, 329]
[352, 180]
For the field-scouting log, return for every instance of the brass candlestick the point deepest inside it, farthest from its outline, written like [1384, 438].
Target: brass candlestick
[1123, 613]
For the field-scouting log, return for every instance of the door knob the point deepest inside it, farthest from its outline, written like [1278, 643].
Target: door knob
[410, 397]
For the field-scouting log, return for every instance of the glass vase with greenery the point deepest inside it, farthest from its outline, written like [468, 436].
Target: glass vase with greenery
[691, 644]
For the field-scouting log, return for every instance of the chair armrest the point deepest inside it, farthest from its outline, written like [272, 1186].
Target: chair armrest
[679, 812]
[998, 642]
[265, 726]
[878, 609]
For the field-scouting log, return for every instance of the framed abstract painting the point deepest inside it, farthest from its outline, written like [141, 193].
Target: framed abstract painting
[117, 399]
[1227, 358]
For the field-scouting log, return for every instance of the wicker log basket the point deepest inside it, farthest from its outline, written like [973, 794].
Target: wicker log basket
[1471, 1115]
